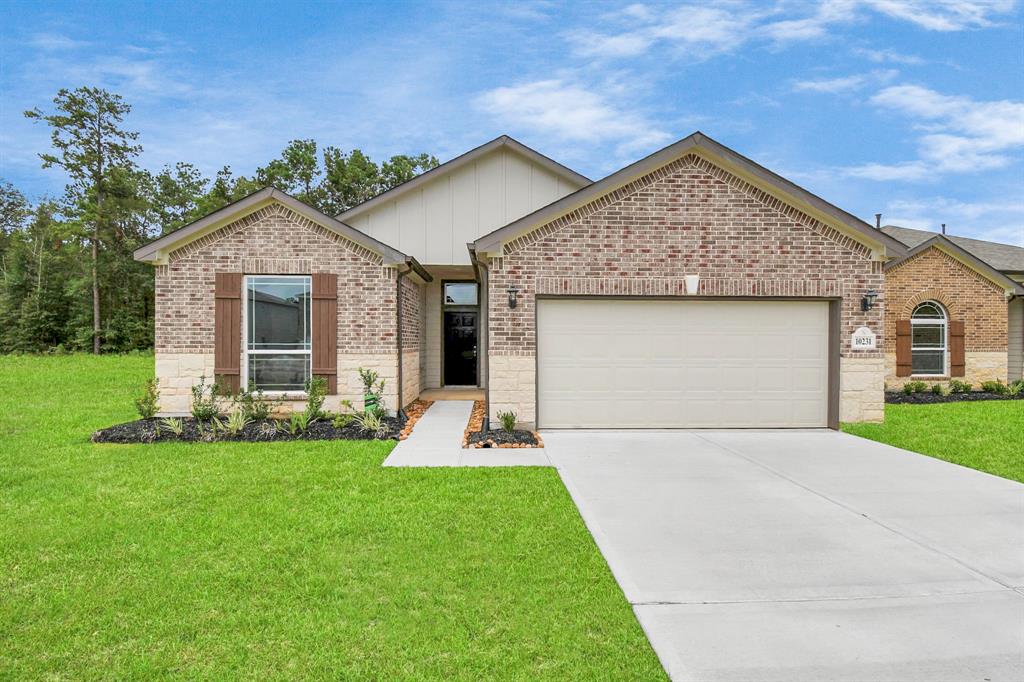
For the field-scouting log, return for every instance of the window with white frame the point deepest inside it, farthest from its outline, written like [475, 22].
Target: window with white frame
[277, 344]
[928, 341]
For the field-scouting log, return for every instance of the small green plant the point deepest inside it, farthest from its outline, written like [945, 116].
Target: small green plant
[373, 391]
[939, 389]
[957, 386]
[1016, 388]
[297, 424]
[236, 422]
[204, 400]
[316, 391]
[149, 402]
[253, 404]
[342, 420]
[508, 420]
[915, 387]
[173, 425]
[997, 387]
[372, 422]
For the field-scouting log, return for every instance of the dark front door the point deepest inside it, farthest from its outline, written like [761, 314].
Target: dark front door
[460, 347]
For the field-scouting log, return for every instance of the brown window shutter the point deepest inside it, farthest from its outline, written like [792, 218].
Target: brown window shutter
[227, 330]
[325, 329]
[904, 359]
[957, 362]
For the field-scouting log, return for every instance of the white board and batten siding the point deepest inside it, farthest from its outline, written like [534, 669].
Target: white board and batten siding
[434, 222]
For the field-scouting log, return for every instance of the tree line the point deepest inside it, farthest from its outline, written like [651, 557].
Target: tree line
[68, 281]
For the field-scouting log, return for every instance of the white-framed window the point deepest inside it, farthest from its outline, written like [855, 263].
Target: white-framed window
[929, 340]
[277, 345]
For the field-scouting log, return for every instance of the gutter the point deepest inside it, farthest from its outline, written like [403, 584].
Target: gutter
[483, 276]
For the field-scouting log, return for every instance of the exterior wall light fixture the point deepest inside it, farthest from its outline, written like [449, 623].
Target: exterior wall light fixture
[868, 302]
[513, 293]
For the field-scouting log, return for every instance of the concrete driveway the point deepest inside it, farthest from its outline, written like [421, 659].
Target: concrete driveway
[804, 555]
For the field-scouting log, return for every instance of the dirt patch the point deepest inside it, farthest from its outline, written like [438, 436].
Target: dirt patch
[476, 437]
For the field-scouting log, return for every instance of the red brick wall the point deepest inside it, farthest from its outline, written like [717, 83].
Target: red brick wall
[936, 276]
[689, 217]
[274, 240]
[412, 314]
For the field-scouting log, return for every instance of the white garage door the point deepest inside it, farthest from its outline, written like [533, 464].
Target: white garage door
[681, 364]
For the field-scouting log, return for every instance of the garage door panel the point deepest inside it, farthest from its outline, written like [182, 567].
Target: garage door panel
[664, 364]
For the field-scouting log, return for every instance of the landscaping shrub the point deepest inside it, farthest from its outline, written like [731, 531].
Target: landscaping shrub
[1016, 388]
[236, 422]
[508, 420]
[957, 386]
[298, 422]
[371, 422]
[253, 405]
[997, 387]
[915, 387]
[148, 403]
[373, 391]
[204, 400]
[316, 391]
[173, 425]
[939, 389]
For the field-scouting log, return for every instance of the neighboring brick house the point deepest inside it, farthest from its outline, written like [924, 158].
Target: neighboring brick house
[691, 288]
[956, 307]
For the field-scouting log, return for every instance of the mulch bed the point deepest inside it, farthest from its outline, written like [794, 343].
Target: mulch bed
[929, 398]
[263, 431]
[476, 437]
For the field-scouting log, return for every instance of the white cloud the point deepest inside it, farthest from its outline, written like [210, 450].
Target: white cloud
[53, 42]
[890, 56]
[944, 15]
[845, 83]
[705, 29]
[696, 30]
[961, 135]
[569, 112]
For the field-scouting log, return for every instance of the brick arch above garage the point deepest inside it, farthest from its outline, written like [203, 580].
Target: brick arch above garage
[687, 217]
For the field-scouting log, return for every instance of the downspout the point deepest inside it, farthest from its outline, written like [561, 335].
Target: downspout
[482, 276]
[400, 410]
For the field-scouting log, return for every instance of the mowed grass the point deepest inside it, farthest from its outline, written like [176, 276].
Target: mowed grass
[280, 560]
[988, 436]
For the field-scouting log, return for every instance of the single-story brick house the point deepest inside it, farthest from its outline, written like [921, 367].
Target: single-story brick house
[693, 288]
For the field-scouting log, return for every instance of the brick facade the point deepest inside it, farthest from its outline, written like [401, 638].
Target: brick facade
[688, 217]
[276, 240]
[934, 275]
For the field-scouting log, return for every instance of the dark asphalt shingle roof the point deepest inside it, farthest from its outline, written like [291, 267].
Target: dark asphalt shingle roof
[1002, 257]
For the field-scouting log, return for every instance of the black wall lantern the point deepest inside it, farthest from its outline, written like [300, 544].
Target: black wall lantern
[868, 302]
[513, 293]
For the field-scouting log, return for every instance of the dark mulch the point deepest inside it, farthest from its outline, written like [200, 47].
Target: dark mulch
[269, 430]
[498, 438]
[929, 398]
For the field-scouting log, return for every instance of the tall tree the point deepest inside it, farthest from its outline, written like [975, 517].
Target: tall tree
[91, 146]
[175, 195]
[13, 213]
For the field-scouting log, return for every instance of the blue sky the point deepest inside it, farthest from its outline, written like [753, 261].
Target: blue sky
[912, 108]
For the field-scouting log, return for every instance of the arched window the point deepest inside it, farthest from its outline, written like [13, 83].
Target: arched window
[929, 339]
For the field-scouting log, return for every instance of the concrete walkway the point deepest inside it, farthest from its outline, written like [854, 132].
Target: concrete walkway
[436, 441]
[804, 555]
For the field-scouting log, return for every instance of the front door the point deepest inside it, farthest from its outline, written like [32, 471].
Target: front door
[460, 347]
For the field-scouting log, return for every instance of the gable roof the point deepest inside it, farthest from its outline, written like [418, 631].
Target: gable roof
[156, 251]
[697, 142]
[946, 245]
[472, 155]
[1002, 257]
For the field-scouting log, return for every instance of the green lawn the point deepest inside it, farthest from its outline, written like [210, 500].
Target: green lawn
[988, 436]
[280, 560]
